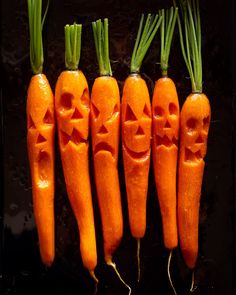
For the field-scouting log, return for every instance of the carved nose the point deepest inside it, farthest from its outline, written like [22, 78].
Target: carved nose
[199, 139]
[167, 124]
[103, 130]
[140, 131]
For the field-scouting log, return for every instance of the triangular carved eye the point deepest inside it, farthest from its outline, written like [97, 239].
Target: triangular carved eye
[95, 111]
[116, 109]
[65, 138]
[146, 111]
[31, 123]
[48, 119]
[173, 110]
[76, 115]
[129, 115]
[158, 112]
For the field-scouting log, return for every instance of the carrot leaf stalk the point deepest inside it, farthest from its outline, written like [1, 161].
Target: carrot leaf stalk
[167, 29]
[95, 280]
[35, 30]
[100, 32]
[145, 35]
[72, 46]
[168, 272]
[113, 265]
[190, 41]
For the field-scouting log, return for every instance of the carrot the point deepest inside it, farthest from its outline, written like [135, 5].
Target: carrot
[72, 113]
[105, 123]
[136, 132]
[40, 137]
[165, 111]
[195, 119]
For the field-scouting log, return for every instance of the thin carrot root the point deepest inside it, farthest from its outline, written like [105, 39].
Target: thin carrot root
[193, 288]
[168, 272]
[95, 280]
[113, 265]
[138, 258]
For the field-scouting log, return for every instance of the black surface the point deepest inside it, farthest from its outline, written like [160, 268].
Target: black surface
[22, 270]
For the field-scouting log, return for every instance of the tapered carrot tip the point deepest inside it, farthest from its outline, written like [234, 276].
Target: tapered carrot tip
[95, 280]
[113, 265]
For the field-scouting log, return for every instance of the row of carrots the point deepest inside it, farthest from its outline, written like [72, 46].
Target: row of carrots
[178, 139]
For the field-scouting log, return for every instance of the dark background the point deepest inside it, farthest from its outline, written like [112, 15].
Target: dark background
[20, 267]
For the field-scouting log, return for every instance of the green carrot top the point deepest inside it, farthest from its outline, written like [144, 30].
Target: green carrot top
[145, 35]
[190, 40]
[101, 40]
[72, 46]
[167, 29]
[35, 29]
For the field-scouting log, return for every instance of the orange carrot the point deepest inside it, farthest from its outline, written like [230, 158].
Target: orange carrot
[105, 123]
[136, 132]
[165, 110]
[40, 138]
[72, 112]
[195, 119]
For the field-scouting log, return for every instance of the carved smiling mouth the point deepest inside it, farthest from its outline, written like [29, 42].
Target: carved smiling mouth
[166, 141]
[136, 155]
[103, 146]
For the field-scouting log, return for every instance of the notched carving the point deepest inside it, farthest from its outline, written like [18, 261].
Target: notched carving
[103, 130]
[31, 124]
[173, 110]
[66, 100]
[103, 146]
[139, 131]
[76, 115]
[167, 125]
[75, 137]
[199, 139]
[189, 156]
[48, 118]
[40, 139]
[129, 115]
[95, 111]
[85, 98]
[43, 168]
[115, 110]
[191, 124]
[146, 111]
[166, 141]
[158, 112]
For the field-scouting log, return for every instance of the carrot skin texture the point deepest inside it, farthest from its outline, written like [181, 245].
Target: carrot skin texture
[136, 140]
[195, 121]
[105, 122]
[40, 142]
[72, 111]
[165, 110]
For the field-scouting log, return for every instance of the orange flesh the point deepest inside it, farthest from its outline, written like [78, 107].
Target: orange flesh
[165, 110]
[105, 122]
[195, 120]
[40, 141]
[136, 140]
[72, 111]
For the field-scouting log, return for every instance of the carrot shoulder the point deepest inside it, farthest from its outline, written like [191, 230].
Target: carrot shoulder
[40, 138]
[72, 111]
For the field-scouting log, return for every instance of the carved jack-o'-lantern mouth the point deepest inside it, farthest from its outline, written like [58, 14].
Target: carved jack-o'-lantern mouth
[136, 155]
[192, 157]
[104, 147]
[166, 141]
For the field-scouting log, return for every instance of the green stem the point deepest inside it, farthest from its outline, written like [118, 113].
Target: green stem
[72, 46]
[167, 31]
[143, 41]
[35, 29]
[101, 40]
[191, 44]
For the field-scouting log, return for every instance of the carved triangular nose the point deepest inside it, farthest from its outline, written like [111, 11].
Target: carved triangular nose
[140, 131]
[103, 130]
[167, 124]
[199, 139]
